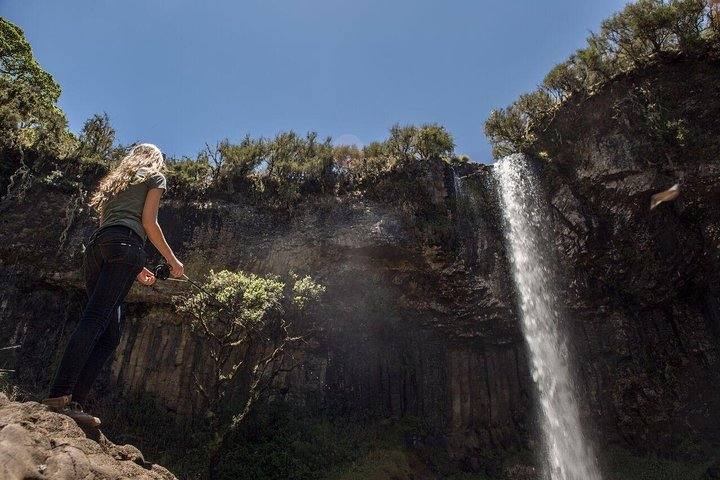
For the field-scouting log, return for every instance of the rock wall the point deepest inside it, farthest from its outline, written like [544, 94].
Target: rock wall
[417, 318]
[409, 327]
[642, 285]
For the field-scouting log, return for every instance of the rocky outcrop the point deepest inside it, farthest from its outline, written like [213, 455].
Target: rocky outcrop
[38, 444]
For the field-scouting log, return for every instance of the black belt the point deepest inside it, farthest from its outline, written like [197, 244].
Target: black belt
[121, 229]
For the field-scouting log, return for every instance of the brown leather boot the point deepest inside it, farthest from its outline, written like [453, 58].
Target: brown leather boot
[72, 409]
[76, 412]
[58, 404]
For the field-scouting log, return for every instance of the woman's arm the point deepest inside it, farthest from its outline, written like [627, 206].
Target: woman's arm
[154, 232]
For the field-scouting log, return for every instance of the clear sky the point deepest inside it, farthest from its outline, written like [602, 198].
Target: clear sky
[179, 73]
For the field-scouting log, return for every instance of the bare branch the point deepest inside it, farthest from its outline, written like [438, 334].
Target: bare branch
[199, 387]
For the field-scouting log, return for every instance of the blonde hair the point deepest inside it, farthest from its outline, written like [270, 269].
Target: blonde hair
[125, 174]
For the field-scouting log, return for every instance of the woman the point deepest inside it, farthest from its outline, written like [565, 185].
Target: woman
[127, 199]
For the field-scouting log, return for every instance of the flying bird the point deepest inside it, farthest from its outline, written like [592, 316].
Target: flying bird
[669, 194]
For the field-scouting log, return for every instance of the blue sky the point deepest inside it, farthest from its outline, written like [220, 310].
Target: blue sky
[180, 73]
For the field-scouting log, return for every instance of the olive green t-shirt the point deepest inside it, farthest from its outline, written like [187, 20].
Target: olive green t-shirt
[126, 207]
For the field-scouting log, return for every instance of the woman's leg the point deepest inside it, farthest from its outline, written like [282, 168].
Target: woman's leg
[107, 342]
[120, 265]
[104, 347]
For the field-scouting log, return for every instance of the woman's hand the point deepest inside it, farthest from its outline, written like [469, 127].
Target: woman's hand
[177, 269]
[146, 277]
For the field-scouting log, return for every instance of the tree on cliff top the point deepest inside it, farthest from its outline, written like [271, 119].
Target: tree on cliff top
[18, 64]
[428, 141]
[642, 33]
[97, 137]
[29, 116]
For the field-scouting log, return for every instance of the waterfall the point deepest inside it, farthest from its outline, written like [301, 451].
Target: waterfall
[530, 247]
[457, 182]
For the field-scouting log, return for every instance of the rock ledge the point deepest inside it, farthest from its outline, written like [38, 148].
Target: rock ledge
[38, 444]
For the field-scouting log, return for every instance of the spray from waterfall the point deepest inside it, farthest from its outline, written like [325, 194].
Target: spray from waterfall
[530, 246]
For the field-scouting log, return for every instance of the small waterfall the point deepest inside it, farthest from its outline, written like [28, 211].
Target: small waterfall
[457, 182]
[530, 246]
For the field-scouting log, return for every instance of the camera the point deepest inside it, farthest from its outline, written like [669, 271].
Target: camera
[162, 271]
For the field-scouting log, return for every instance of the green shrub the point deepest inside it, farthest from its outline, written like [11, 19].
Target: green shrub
[429, 141]
[278, 441]
[619, 464]
[188, 177]
[29, 114]
[139, 420]
[97, 138]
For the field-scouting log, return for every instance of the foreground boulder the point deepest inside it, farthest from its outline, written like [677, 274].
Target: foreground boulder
[36, 443]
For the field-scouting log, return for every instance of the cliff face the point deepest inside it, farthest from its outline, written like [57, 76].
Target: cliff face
[643, 286]
[417, 319]
[419, 316]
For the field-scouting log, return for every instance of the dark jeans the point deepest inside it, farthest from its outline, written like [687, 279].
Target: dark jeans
[113, 258]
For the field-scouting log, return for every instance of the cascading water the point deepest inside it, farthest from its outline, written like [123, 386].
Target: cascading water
[457, 183]
[569, 457]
